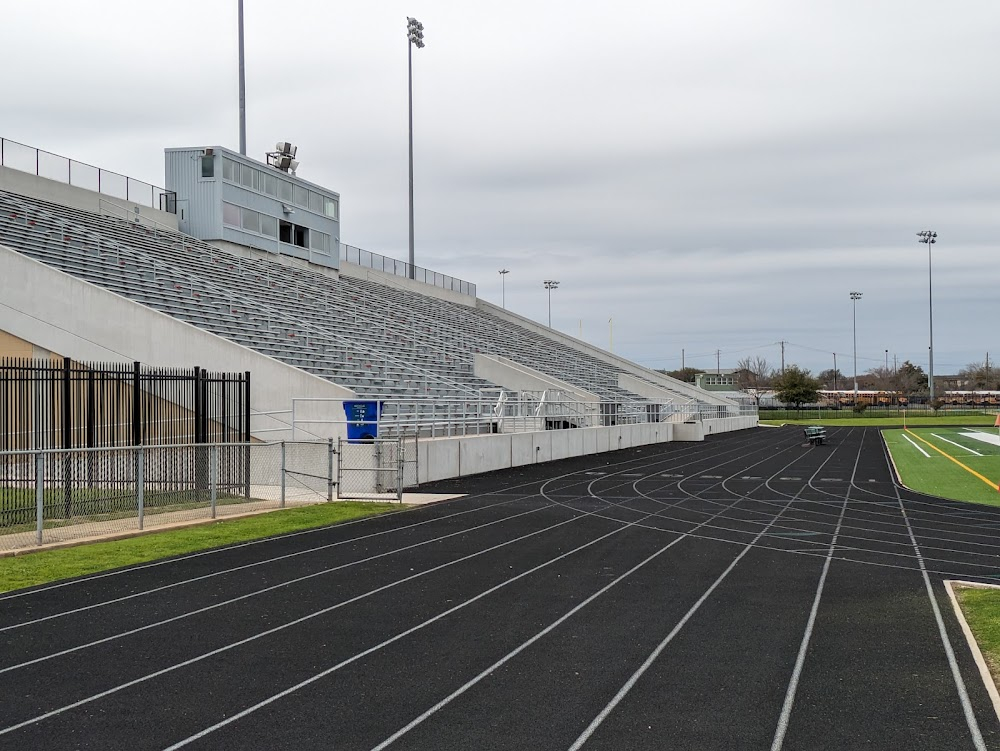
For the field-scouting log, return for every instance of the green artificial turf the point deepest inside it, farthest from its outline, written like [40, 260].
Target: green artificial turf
[51, 565]
[936, 475]
[981, 608]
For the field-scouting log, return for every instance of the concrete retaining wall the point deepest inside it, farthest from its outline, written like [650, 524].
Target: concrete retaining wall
[445, 458]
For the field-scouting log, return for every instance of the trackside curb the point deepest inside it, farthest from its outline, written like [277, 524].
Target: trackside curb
[984, 670]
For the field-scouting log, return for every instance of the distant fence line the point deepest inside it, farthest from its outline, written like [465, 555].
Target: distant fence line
[34, 161]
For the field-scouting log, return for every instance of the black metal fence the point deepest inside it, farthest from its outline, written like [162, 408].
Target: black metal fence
[58, 408]
[47, 404]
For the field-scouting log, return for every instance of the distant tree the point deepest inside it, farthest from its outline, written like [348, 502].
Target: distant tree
[832, 379]
[979, 375]
[683, 374]
[910, 379]
[797, 386]
[754, 375]
[880, 378]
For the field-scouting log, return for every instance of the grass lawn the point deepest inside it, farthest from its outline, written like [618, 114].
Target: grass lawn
[935, 474]
[981, 608]
[883, 422]
[51, 565]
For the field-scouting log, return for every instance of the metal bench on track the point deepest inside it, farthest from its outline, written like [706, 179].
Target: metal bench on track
[815, 435]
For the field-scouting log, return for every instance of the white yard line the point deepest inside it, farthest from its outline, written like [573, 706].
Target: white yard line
[964, 448]
[916, 446]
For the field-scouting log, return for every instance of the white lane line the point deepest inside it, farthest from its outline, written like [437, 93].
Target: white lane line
[800, 659]
[272, 588]
[978, 435]
[917, 447]
[963, 694]
[324, 611]
[312, 679]
[616, 700]
[964, 448]
[984, 671]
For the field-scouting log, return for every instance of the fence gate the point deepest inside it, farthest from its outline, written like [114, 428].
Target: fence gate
[375, 469]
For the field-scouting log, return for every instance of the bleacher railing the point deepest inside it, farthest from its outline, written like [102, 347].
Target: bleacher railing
[62, 169]
[367, 259]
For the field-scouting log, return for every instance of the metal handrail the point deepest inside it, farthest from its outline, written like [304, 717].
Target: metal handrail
[5, 144]
[390, 265]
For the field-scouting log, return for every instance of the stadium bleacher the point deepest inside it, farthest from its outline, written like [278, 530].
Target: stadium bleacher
[380, 340]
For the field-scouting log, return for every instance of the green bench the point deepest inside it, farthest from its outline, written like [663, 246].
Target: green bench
[815, 435]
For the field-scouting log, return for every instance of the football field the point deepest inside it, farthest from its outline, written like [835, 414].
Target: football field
[962, 463]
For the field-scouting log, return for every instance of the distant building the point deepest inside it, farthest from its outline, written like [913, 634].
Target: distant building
[223, 196]
[720, 380]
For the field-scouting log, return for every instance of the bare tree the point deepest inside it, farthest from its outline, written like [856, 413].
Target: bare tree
[754, 375]
[980, 375]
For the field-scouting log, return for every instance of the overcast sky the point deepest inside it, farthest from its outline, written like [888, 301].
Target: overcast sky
[708, 175]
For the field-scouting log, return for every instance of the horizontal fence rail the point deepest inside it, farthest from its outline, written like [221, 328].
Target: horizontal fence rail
[369, 260]
[34, 161]
[55, 495]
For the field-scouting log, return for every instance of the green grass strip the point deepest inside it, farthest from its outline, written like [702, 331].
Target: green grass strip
[52, 565]
[981, 608]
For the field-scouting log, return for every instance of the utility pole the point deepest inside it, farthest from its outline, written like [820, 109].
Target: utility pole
[682, 358]
[718, 356]
[782, 357]
[835, 386]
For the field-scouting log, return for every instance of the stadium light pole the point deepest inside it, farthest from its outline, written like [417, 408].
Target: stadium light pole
[243, 83]
[503, 288]
[929, 237]
[550, 284]
[414, 36]
[855, 296]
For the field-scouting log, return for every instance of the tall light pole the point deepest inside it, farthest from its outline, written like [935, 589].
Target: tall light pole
[243, 83]
[414, 36]
[503, 288]
[929, 237]
[550, 284]
[855, 296]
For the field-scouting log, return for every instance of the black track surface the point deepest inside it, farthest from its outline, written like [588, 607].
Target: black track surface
[748, 592]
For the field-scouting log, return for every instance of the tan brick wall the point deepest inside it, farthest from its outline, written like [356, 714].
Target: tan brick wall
[11, 346]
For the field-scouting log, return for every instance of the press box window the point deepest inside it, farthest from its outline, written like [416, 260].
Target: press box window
[251, 220]
[230, 215]
[208, 165]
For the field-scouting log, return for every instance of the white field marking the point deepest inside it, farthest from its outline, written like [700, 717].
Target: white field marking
[324, 611]
[800, 659]
[964, 448]
[462, 689]
[259, 563]
[916, 446]
[548, 629]
[248, 543]
[616, 700]
[207, 608]
[984, 671]
[637, 523]
[983, 437]
[312, 679]
[963, 694]
[241, 642]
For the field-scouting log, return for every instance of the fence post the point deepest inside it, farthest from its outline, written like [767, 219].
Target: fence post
[400, 458]
[282, 474]
[213, 475]
[39, 494]
[140, 483]
[67, 438]
[329, 470]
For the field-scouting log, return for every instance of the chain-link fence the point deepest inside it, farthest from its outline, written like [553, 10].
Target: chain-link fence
[56, 495]
[376, 468]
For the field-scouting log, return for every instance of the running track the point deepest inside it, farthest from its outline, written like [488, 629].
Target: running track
[749, 592]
